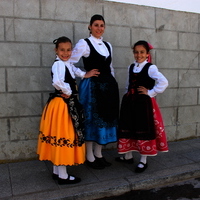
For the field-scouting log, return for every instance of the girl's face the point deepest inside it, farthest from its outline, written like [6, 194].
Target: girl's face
[97, 28]
[140, 53]
[64, 51]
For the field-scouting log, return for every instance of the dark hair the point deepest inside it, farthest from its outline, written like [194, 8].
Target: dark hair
[62, 39]
[96, 17]
[143, 43]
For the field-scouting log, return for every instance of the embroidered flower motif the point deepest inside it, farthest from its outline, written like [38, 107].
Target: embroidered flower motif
[61, 142]
[162, 144]
[148, 148]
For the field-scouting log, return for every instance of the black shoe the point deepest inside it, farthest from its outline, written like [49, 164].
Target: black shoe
[103, 161]
[68, 181]
[55, 176]
[95, 164]
[123, 160]
[140, 170]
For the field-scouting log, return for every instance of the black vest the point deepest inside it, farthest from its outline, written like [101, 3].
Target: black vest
[96, 60]
[140, 79]
[68, 79]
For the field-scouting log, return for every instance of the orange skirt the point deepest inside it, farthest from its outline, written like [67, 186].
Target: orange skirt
[57, 141]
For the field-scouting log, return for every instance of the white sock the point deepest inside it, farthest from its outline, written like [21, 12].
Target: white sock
[62, 172]
[55, 169]
[98, 150]
[89, 151]
[143, 159]
[128, 155]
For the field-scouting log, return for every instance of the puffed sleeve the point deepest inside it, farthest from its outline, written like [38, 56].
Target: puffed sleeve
[111, 67]
[127, 80]
[80, 49]
[58, 70]
[161, 82]
[78, 72]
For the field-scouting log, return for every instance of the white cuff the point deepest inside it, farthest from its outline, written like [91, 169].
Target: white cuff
[152, 93]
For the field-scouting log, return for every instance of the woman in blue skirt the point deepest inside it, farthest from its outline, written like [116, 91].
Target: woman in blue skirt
[98, 95]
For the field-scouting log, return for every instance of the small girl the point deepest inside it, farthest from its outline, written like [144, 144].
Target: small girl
[61, 128]
[140, 126]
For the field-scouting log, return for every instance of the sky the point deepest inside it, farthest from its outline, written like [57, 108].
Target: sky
[179, 5]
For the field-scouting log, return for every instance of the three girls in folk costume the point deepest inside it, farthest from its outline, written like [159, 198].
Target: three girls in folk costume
[61, 137]
[141, 127]
[98, 95]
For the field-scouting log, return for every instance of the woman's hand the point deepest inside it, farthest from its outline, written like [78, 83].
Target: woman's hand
[93, 72]
[142, 90]
[65, 96]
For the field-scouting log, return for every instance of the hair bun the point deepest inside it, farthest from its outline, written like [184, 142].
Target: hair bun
[55, 41]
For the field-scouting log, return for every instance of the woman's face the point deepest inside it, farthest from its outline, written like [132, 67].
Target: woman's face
[97, 28]
[140, 53]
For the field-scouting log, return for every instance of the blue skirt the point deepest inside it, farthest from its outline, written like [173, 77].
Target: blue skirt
[97, 128]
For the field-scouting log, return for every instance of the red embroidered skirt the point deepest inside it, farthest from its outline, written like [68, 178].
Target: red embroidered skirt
[147, 147]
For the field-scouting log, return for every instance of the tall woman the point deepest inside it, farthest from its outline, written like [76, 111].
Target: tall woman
[99, 95]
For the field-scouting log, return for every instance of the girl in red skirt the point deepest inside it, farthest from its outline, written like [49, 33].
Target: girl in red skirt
[61, 128]
[141, 127]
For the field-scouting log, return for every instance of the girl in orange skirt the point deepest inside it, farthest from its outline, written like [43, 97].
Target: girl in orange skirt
[141, 127]
[61, 136]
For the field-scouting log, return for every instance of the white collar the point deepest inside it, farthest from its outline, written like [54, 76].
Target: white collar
[140, 64]
[66, 62]
[96, 40]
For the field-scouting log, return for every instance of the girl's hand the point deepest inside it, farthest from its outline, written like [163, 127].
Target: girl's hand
[65, 96]
[93, 72]
[142, 90]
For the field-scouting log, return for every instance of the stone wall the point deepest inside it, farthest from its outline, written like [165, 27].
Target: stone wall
[26, 34]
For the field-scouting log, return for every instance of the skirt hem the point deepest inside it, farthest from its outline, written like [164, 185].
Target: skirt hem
[144, 154]
[75, 164]
[100, 143]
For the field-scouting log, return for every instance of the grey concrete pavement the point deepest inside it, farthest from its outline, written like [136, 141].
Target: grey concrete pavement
[31, 180]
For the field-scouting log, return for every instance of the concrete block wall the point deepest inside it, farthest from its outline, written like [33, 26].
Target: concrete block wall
[26, 54]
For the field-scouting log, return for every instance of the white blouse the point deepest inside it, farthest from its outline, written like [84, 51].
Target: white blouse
[58, 70]
[161, 82]
[82, 49]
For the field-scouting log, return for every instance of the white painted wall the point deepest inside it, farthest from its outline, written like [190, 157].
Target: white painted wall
[179, 5]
